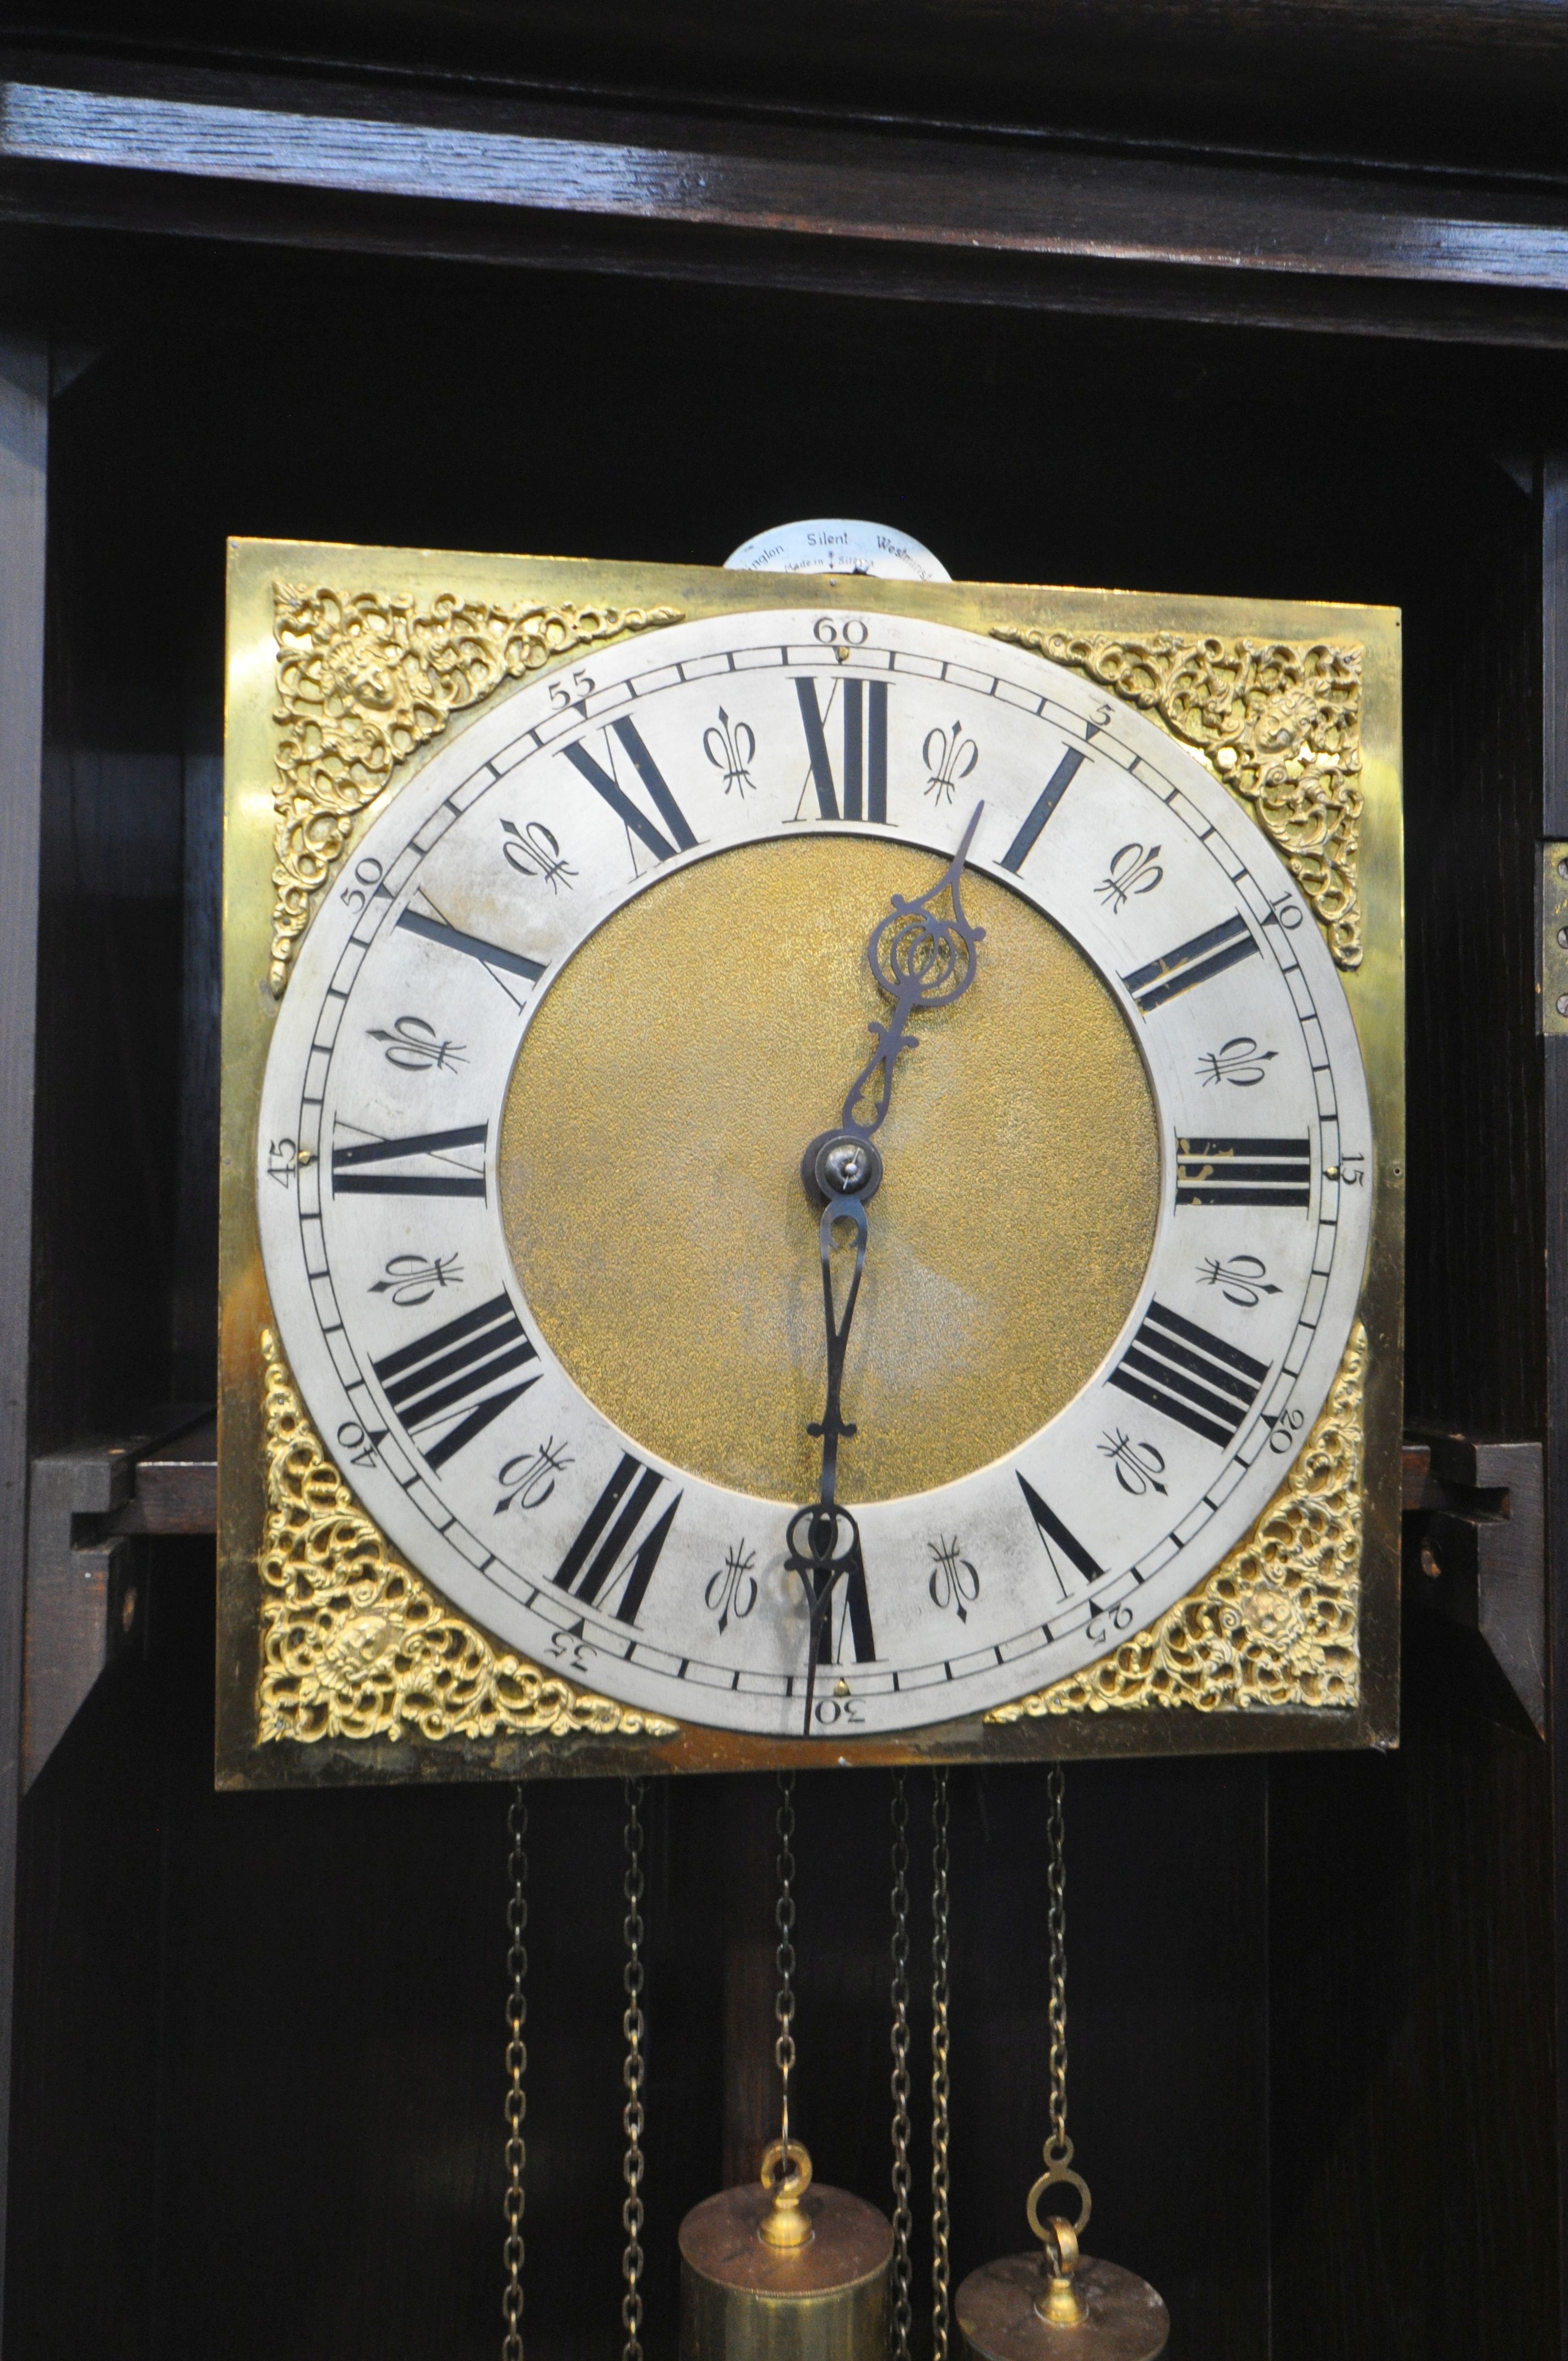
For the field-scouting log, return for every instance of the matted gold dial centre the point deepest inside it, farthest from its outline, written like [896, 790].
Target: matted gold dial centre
[651, 1190]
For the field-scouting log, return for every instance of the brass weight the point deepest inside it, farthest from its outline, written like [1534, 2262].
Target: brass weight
[1022, 2309]
[785, 2271]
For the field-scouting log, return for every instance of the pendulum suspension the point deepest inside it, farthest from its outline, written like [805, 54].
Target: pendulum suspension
[784, 2269]
[516, 2067]
[1060, 2301]
[631, 2075]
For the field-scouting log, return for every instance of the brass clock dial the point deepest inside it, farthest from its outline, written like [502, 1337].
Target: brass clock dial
[545, 1272]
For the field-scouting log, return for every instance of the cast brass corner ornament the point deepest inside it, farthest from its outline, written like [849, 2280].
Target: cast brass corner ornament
[1275, 1623]
[1280, 723]
[364, 680]
[355, 1646]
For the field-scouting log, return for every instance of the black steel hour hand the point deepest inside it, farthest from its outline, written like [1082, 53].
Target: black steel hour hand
[824, 1540]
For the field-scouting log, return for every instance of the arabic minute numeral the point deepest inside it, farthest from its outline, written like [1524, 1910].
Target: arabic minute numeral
[833, 631]
[367, 875]
[1284, 912]
[1101, 1629]
[563, 699]
[572, 1647]
[362, 1449]
[1284, 1428]
[1135, 869]
[731, 747]
[1351, 1171]
[282, 1162]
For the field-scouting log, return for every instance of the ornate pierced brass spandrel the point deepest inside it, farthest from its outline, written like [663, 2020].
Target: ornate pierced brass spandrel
[356, 1646]
[363, 681]
[1275, 1624]
[1280, 723]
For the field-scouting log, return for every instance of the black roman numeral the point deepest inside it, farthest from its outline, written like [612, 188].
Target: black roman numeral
[1057, 1542]
[473, 947]
[349, 1177]
[1046, 802]
[855, 1621]
[604, 782]
[588, 1566]
[448, 1369]
[1174, 1365]
[1243, 1172]
[1189, 963]
[865, 749]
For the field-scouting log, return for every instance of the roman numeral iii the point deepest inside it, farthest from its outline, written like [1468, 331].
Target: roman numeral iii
[1243, 1172]
[1191, 963]
[1204, 1384]
[864, 708]
[589, 1568]
[444, 1374]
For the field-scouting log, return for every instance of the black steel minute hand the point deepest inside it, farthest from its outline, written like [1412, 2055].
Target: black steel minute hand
[921, 961]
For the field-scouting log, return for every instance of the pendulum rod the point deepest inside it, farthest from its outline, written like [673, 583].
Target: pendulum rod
[940, 2276]
[631, 2074]
[1058, 2147]
[516, 2067]
[783, 1919]
[899, 2325]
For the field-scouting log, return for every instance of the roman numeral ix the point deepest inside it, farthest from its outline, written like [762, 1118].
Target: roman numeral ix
[1189, 963]
[447, 1370]
[589, 1566]
[1243, 1172]
[351, 1175]
[1204, 1384]
[864, 705]
[605, 784]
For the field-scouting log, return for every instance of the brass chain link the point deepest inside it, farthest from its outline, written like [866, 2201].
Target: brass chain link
[940, 2274]
[783, 1919]
[902, 2218]
[632, 2074]
[1058, 2147]
[516, 2067]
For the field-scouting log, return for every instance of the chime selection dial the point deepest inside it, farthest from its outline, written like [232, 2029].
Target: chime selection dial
[529, 1187]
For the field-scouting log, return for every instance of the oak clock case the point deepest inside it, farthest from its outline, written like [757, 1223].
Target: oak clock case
[555, 898]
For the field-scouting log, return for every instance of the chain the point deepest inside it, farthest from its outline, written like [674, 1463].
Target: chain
[1058, 2147]
[900, 2215]
[631, 2075]
[939, 2216]
[517, 2065]
[784, 1918]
